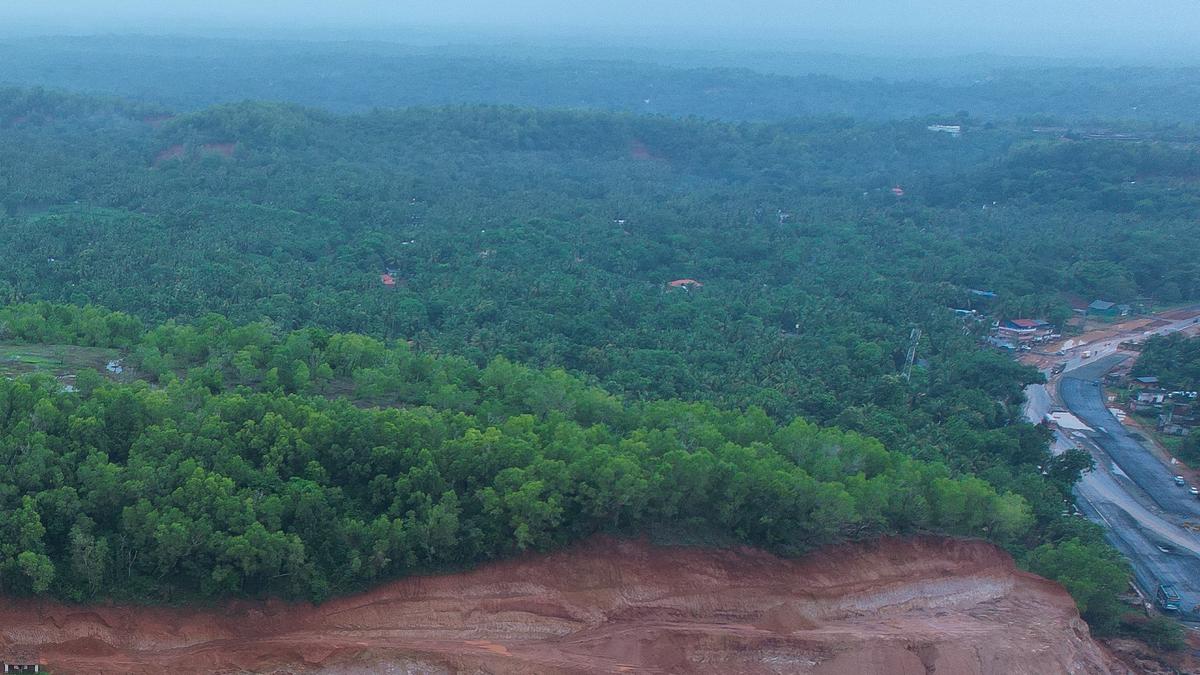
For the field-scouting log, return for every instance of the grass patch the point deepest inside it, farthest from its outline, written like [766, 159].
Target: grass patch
[1183, 448]
[56, 360]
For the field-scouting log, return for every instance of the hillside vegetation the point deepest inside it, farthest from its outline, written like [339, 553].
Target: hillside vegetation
[298, 427]
[236, 476]
[1173, 359]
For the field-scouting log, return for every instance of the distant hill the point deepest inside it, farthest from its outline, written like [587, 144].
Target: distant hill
[348, 77]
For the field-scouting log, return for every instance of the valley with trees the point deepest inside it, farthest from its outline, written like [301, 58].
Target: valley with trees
[291, 349]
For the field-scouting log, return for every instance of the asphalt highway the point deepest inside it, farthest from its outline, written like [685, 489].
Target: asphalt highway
[1132, 492]
[1154, 561]
[1081, 392]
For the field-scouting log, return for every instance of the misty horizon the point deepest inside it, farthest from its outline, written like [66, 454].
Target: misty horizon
[1159, 32]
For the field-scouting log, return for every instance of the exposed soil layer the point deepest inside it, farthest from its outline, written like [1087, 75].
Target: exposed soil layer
[900, 607]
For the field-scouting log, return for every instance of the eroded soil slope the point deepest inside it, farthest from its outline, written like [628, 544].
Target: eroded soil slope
[896, 606]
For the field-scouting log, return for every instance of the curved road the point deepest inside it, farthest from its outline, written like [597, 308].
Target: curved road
[1132, 492]
[1080, 390]
[1151, 564]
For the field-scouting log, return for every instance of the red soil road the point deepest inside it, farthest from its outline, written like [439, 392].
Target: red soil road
[639, 151]
[1181, 314]
[181, 152]
[894, 606]
[157, 120]
[222, 149]
[167, 154]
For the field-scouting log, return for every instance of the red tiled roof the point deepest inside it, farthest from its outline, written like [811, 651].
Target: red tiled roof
[387, 279]
[679, 283]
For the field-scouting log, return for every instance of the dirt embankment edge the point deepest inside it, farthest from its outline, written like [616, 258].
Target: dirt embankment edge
[895, 606]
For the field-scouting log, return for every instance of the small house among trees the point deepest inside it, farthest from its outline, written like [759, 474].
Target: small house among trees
[1103, 308]
[1178, 419]
[1151, 396]
[1024, 330]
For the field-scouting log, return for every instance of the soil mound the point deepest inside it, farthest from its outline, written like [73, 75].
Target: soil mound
[918, 606]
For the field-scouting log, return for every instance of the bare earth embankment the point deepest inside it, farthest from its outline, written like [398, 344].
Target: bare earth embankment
[900, 607]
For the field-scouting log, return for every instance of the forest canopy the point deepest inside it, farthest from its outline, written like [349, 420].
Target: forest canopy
[361, 346]
[234, 470]
[1173, 359]
[550, 237]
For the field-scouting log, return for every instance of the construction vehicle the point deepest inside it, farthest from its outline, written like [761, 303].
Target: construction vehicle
[1168, 598]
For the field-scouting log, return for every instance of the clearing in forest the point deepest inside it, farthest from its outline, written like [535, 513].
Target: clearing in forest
[57, 360]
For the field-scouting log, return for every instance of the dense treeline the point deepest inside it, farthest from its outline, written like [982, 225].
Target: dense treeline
[249, 460]
[647, 78]
[961, 415]
[199, 487]
[547, 237]
[247, 243]
[1173, 359]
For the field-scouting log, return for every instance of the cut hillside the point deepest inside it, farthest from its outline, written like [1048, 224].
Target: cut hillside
[893, 606]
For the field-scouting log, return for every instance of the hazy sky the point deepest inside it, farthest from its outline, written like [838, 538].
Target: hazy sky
[1145, 28]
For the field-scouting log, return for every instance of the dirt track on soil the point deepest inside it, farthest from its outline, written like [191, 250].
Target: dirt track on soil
[895, 606]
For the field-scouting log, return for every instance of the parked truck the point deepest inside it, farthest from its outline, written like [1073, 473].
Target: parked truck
[1168, 598]
[1086, 355]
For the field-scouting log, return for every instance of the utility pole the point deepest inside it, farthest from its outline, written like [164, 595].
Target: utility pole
[913, 338]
